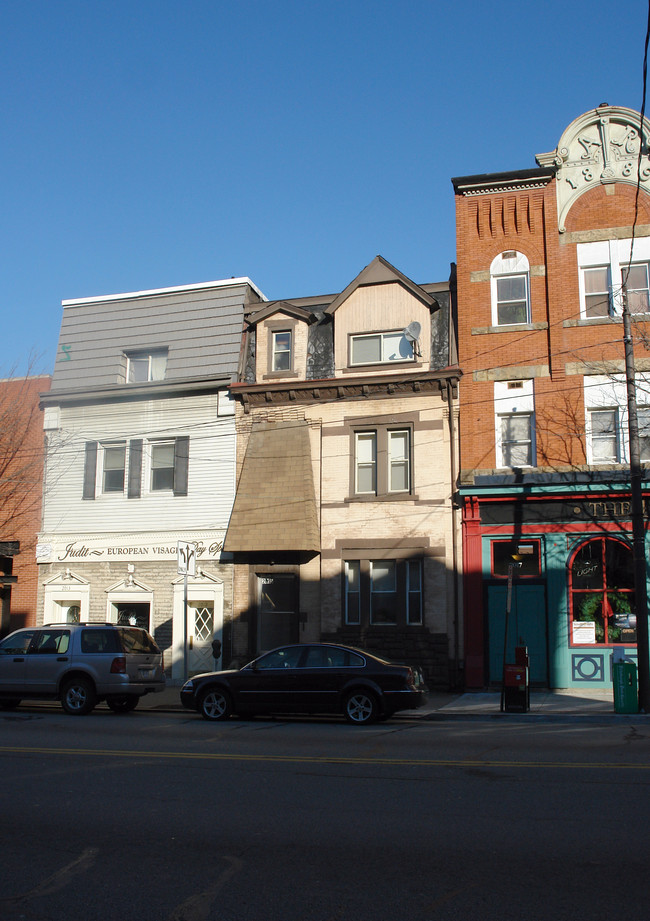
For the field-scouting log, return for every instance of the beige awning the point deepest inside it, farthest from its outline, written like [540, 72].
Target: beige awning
[275, 504]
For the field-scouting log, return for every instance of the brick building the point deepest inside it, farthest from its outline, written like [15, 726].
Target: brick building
[21, 491]
[343, 527]
[542, 258]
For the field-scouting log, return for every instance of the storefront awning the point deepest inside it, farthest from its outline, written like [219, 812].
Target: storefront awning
[275, 504]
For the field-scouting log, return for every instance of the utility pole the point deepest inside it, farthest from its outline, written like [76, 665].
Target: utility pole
[638, 524]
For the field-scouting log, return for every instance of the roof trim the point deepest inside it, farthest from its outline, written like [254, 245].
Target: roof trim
[156, 292]
[281, 307]
[495, 182]
[380, 271]
[151, 390]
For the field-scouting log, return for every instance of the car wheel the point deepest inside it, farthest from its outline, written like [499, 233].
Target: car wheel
[123, 704]
[215, 704]
[361, 707]
[78, 697]
[10, 703]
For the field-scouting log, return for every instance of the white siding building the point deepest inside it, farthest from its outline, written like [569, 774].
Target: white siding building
[140, 455]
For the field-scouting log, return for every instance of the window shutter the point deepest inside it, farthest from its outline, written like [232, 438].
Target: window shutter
[135, 468]
[181, 462]
[90, 470]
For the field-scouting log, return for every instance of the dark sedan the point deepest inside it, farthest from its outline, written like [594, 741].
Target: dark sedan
[308, 678]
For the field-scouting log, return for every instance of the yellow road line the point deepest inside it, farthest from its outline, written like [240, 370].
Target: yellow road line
[322, 759]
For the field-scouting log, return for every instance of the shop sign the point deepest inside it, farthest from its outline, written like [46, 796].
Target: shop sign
[102, 550]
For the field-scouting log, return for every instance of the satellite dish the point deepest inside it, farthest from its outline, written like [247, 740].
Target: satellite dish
[412, 334]
[412, 331]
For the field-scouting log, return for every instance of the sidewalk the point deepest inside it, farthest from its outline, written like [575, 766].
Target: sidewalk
[449, 705]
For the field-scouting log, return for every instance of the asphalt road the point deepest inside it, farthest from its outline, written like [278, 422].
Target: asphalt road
[164, 817]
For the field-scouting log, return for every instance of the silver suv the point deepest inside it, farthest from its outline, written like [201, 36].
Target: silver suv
[80, 665]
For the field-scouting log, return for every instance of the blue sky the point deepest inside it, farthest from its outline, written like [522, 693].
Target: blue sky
[151, 143]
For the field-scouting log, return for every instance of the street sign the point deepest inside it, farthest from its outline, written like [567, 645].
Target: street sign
[186, 553]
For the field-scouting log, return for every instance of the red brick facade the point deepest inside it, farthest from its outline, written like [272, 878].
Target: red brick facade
[573, 215]
[21, 479]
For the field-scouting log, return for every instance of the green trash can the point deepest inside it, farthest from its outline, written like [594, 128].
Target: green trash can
[626, 697]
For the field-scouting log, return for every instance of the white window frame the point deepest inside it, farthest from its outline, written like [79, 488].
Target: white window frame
[507, 445]
[399, 459]
[393, 347]
[156, 365]
[615, 436]
[366, 437]
[639, 295]
[512, 399]
[643, 413]
[152, 445]
[391, 456]
[615, 256]
[103, 469]
[278, 353]
[605, 295]
[509, 264]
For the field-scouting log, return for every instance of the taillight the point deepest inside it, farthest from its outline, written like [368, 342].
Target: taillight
[410, 679]
[118, 666]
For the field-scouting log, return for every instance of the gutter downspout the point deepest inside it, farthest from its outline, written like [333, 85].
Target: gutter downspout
[454, 529]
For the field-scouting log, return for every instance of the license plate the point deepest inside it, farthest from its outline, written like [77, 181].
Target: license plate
[146, 672]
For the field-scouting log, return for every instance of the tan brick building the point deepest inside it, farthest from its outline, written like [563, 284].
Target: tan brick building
[343, 527]
[542, 258]
[21, 490]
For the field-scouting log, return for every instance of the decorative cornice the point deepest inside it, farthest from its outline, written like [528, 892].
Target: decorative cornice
[603, 146]
[358, 388]
[490, 190]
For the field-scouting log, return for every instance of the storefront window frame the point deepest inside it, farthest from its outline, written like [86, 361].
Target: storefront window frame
[515, 545]
[607, 591]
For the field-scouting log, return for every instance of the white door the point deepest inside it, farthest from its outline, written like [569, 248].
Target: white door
[200, 633]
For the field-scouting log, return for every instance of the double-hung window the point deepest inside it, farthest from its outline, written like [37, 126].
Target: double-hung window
[515, 423]
[604, 426]
[382, 461]
[162, 465]
[643, 417]
[399, 460]
[598, 291]
[609, 270]
[109, 467]
[114, 466]
[510, 276]
[282, 350]
[638, 289]
[383, 592]
[517, 440]
[365, 463]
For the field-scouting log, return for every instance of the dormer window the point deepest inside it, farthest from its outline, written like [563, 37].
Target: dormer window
[281, 347]
[146, 365]
[380, 348]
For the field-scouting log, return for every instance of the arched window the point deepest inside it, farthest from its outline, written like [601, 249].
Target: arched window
[509, 279]
[601, 589]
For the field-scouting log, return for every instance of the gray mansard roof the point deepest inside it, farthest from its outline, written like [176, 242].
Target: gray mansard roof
[200, 325]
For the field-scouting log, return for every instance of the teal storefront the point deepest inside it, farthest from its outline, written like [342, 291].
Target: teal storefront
[569, 557]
